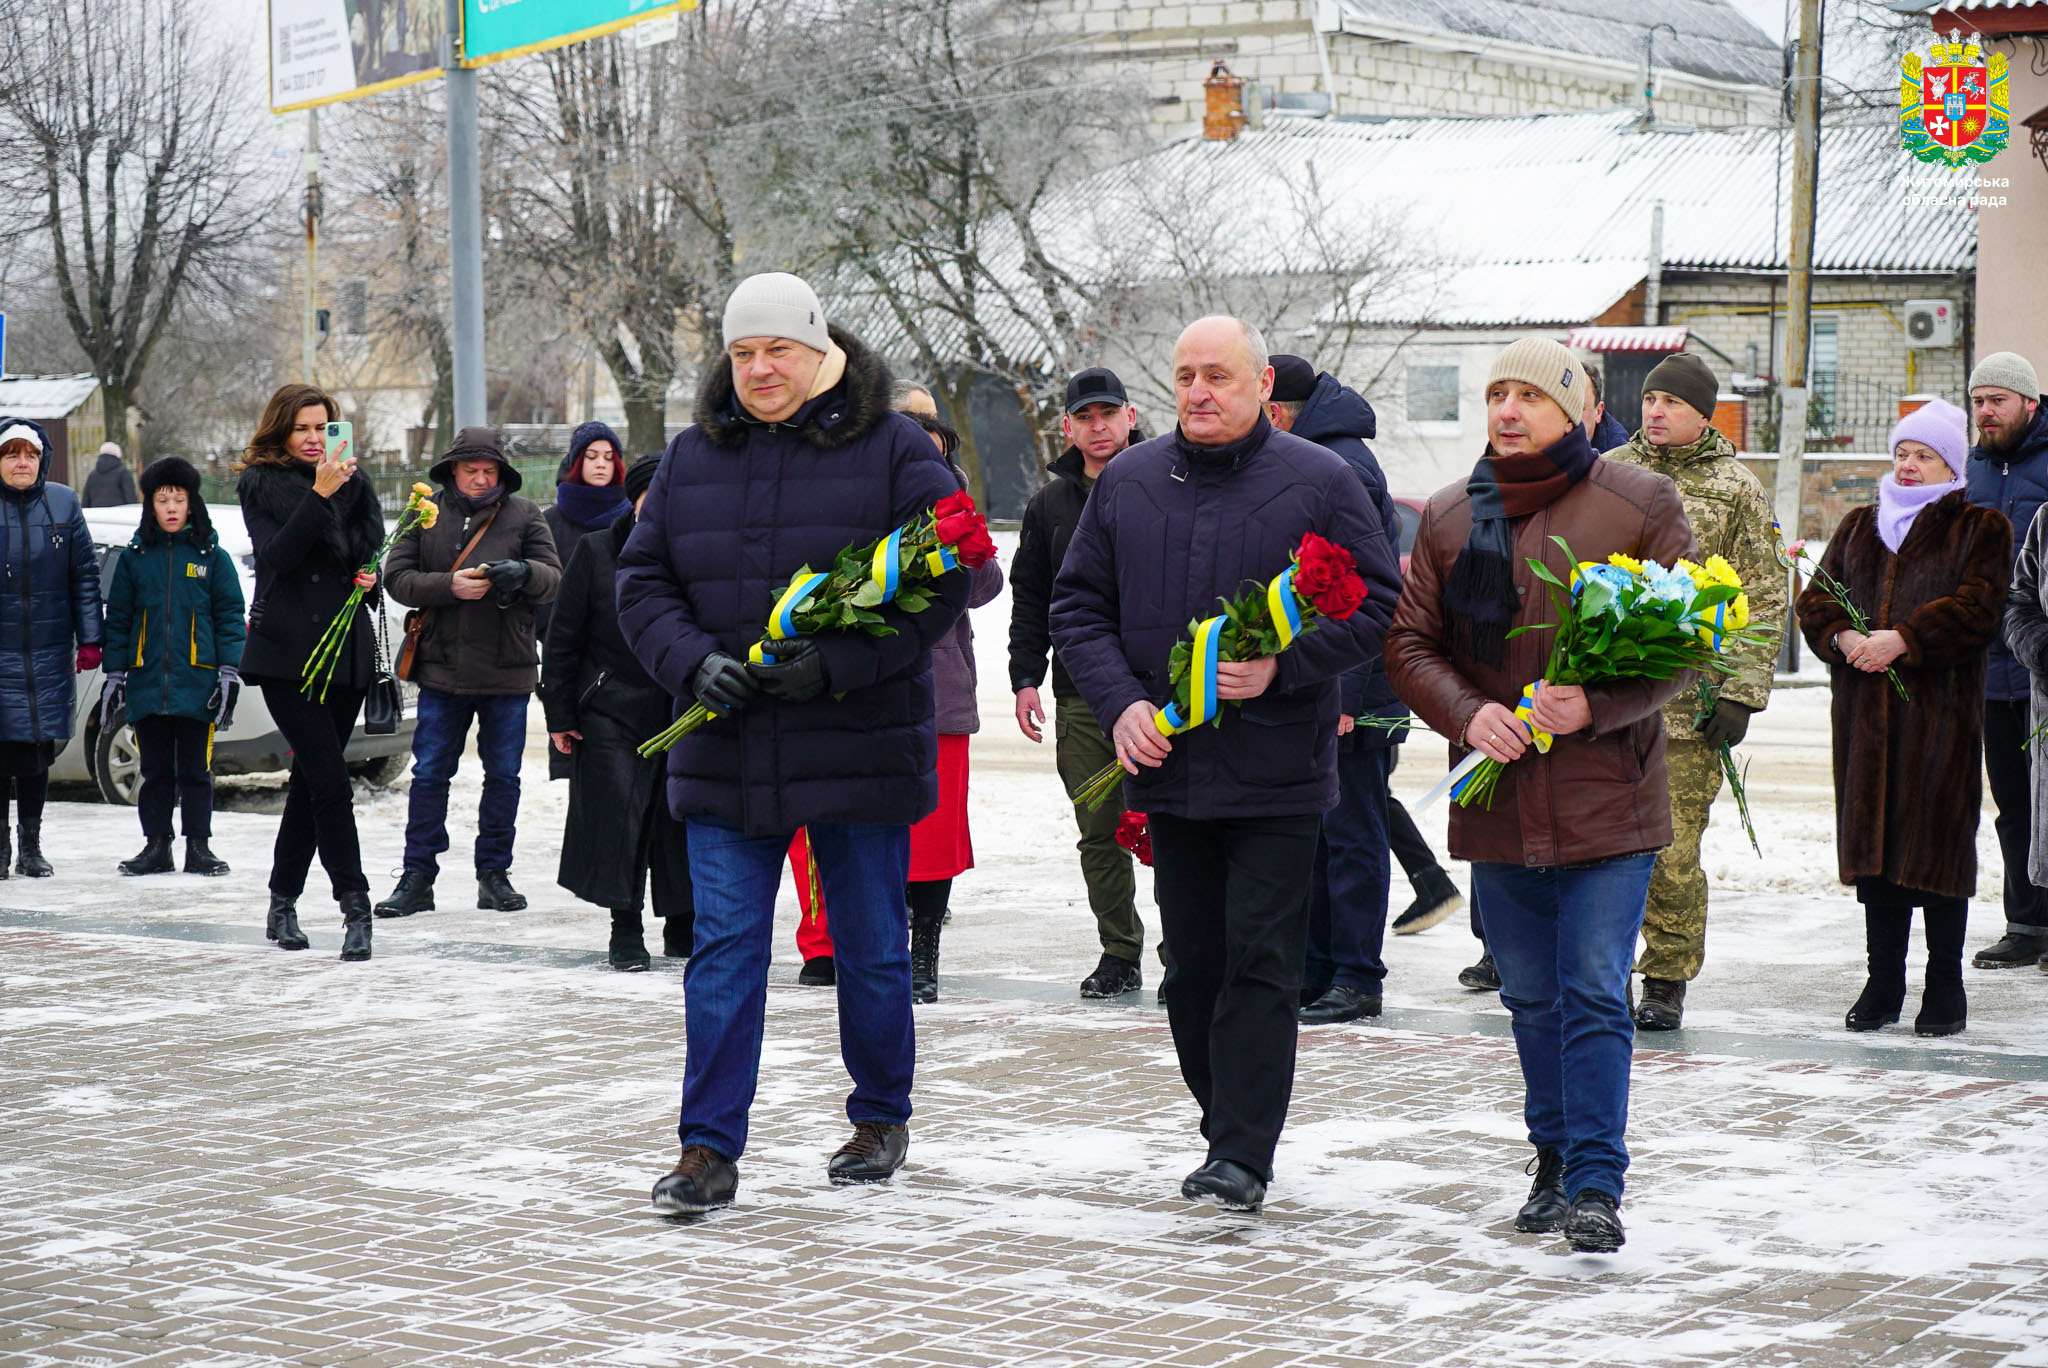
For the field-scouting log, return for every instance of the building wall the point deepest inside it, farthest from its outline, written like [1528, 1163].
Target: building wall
[2012, 238]
[1173, 45]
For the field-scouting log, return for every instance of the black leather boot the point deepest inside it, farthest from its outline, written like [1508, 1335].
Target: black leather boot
[282, 924]
[355, 926]
[495, 893]
[1944, 1009]
[31, 861]
[924, 956]
[200, 860]
[1885, 930]
[628, 951]
[677, 933]
[415, 893]
[1546, 1208]
[154, 858]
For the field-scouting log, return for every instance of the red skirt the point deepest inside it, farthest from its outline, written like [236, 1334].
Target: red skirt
[940, 846]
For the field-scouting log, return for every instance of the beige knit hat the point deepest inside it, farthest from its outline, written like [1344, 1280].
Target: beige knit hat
[1548, 366]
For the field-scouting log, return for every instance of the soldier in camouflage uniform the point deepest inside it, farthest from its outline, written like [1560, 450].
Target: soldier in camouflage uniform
[1731, 517]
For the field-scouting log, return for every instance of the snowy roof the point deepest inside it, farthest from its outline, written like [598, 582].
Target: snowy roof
[1460, 209]
[1629, 339]
[1714, 39]
[44, 396]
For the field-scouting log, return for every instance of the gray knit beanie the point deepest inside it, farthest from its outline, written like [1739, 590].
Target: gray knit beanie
[776, 304]
[2007, 370]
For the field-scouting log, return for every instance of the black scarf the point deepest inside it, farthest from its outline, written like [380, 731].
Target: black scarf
[1480, 591]
[1230, 455]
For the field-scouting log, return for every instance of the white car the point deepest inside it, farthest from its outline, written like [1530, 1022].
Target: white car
[252, 745]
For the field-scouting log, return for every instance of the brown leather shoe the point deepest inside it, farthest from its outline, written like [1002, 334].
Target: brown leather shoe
[876, 1151]
[703, 1180]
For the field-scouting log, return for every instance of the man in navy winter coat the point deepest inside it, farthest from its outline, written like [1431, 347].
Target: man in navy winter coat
[2009, 472]
[1347, 916]
[1173, 525]
[795, 455]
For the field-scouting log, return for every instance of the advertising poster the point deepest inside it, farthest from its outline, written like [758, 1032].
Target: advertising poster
[493, 30]
[322, 51]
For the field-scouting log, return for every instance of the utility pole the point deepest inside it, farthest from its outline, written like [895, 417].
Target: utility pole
[312, 207]
[1798, 297]
[465, 233]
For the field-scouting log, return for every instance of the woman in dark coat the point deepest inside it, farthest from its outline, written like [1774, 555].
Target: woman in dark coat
[1928, 569]
[600, 706]
[590, 494]
[50, 628]
[315, 523]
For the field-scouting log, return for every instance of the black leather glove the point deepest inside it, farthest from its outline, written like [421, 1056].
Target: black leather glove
[509, 577]
[1728, 725]
[723, 684]
[798, 674]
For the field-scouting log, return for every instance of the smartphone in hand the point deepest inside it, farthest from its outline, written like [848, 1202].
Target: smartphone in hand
[341, 442]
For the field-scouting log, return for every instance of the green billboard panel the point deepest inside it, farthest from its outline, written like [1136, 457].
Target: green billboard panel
[493, 30]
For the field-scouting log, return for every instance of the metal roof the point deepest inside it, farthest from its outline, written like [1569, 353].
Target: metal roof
[1629, 339]
[1451, 202]
[1714, 39]
[44, 396]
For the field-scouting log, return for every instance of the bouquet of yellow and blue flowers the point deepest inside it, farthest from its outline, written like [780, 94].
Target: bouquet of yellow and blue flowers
[419, 511]
[1624, 619]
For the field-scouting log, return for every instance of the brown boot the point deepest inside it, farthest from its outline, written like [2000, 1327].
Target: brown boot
[876, 1151]
[702, 1180]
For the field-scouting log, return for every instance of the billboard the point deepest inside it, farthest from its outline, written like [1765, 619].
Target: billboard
[493, 30]
[322, 51]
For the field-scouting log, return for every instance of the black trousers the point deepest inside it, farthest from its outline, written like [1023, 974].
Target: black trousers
[1233, 911]
[319, 811]
[2012, 789]
[177, 755]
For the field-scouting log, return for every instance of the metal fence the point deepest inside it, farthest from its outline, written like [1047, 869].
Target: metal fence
[1843, 413]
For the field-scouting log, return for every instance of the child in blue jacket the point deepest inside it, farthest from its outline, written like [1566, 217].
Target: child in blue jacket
[173, 651]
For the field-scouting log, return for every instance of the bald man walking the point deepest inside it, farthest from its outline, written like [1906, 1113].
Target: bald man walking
[1173, 525]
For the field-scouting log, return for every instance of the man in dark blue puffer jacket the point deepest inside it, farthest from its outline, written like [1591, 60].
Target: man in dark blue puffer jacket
[794, 456]
[1173, 525]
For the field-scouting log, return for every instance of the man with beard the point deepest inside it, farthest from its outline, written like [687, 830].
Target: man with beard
[2009, 472]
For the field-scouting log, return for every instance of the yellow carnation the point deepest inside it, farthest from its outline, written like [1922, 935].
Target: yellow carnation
[1628, 563]
[1738, 613]
[1686, 567]
[423, 490]
[1719, 571]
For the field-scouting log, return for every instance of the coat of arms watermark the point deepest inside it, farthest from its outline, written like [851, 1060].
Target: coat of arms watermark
[1954, 107]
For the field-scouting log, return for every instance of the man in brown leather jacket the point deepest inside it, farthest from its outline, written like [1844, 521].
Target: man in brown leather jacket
[1561, 859]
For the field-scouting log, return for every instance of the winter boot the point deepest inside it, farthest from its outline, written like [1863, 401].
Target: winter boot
[1436, 900]
[155, 858]
[1663, 1005]
[924, 957]
[703, 1180]
[876, 1150]
[2013, 950]
[282, 924]
[1226, 1184]
[1546, 1208]
[1885, 930]
[1113, 977]
[200, 860]
[31, 861]
[1481, 977]
[495, 893]
[818, 972]
[1594, 1224]
[355, 924]
[628, 952]
[414, 893]
[676, 937]
[1943, 1009]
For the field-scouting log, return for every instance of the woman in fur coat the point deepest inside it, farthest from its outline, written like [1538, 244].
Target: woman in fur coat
[1928, 569]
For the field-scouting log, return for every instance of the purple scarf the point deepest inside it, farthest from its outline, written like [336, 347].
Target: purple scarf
[1898, 505]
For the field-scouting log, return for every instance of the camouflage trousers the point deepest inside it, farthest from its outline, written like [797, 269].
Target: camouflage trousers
[1675, 920]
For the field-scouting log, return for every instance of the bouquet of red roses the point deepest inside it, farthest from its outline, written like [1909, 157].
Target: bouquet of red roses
[1322, 581]
[1134, 834]
[898, 570]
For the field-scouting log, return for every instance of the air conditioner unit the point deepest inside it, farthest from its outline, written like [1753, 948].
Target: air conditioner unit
[1930, 323]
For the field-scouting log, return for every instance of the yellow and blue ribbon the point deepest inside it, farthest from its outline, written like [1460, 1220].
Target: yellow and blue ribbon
[1201, 683]
[886, 571]
[1713, 624]
[942, 560]
[1467, 771]
[782, 622]
[1281, 604]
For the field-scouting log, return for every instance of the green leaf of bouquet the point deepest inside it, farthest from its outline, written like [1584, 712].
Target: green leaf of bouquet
[868, 595]
[911, 601]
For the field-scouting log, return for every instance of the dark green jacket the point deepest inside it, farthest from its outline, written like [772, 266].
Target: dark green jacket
[174, 618]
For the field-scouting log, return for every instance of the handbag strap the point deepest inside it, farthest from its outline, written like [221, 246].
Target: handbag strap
[463, 555]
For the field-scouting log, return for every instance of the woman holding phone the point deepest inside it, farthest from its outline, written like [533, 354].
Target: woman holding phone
[315, 523]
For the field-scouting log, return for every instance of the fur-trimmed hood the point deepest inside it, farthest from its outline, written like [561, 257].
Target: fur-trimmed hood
[842, 415]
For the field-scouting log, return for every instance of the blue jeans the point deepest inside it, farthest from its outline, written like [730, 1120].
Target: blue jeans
[440, 730]
[864, 867]
[1347, 905]
[1563, 940]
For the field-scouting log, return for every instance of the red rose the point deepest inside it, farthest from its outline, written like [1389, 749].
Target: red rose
[1326, 576]
[976, 548]
[959, 524]
[1341, 599]
[1134, 834]
[953, 503]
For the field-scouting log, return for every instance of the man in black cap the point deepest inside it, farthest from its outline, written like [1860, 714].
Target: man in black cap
[1099, 423]
[1348, 898]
